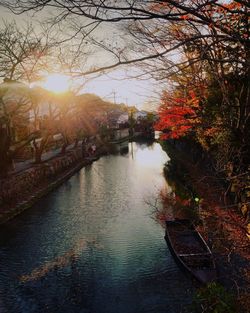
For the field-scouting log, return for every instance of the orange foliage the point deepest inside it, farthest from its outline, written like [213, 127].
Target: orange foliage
[232, 6]
[185, 17]
[178, 115]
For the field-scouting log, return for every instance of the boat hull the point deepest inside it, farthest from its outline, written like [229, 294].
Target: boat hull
[190, 251]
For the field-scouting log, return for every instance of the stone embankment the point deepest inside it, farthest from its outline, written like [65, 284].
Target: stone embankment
[19, 192]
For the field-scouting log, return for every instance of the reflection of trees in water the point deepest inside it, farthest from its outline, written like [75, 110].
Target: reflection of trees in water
[180, 202]
[178, 179]
[124, 150]
[144, 142]
[59, 262]
[66, 282]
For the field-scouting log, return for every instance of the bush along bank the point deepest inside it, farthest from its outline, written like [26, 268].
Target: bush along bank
[19, 192]
[221, 224]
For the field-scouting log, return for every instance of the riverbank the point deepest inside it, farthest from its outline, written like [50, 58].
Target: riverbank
[20, 191]
[222, 225]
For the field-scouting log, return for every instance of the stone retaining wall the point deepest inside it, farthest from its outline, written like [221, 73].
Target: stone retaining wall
[18, 185]
[20, 191]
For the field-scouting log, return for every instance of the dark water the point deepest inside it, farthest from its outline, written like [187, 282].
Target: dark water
[92, 244]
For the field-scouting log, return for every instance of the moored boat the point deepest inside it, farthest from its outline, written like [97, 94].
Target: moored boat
[190, 250]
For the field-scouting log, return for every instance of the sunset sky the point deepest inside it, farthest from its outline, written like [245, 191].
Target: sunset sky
[113, 85]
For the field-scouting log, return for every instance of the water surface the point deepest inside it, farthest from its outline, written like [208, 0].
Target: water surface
[92, 246]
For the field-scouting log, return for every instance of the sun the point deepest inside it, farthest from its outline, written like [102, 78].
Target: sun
[57, 83]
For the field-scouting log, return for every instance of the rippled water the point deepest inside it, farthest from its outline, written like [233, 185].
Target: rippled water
[92, 246]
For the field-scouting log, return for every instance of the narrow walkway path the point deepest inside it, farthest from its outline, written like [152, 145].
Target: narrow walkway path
[24, 165]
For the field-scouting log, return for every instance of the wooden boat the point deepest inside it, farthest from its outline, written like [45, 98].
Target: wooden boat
[190, 250]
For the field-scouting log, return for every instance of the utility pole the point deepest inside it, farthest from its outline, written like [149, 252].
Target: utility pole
[114, 93]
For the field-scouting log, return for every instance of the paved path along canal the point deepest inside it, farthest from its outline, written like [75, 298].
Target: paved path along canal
[92, 246]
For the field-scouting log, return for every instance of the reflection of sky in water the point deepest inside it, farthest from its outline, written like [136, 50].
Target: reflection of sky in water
[149, 156]
[91, 245]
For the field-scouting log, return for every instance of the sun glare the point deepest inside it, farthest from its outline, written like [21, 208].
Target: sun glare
[57, 83]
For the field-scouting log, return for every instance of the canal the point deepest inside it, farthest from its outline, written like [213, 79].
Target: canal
[93, 246]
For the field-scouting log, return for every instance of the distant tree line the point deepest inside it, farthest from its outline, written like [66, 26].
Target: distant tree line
[34, 118]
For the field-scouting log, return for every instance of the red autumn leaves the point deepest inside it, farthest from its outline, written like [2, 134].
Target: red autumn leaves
[178, 115]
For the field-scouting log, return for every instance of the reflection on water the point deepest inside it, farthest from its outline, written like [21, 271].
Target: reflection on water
[91, 246]
[61, 261]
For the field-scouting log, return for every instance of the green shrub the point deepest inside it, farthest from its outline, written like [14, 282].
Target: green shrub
[213, 299]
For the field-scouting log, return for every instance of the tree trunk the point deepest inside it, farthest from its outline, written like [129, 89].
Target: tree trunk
[38, 155]
[5, 164]
[5, 157]
[76, 143]
[65, 143]
[40, 148]
[64, 146]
